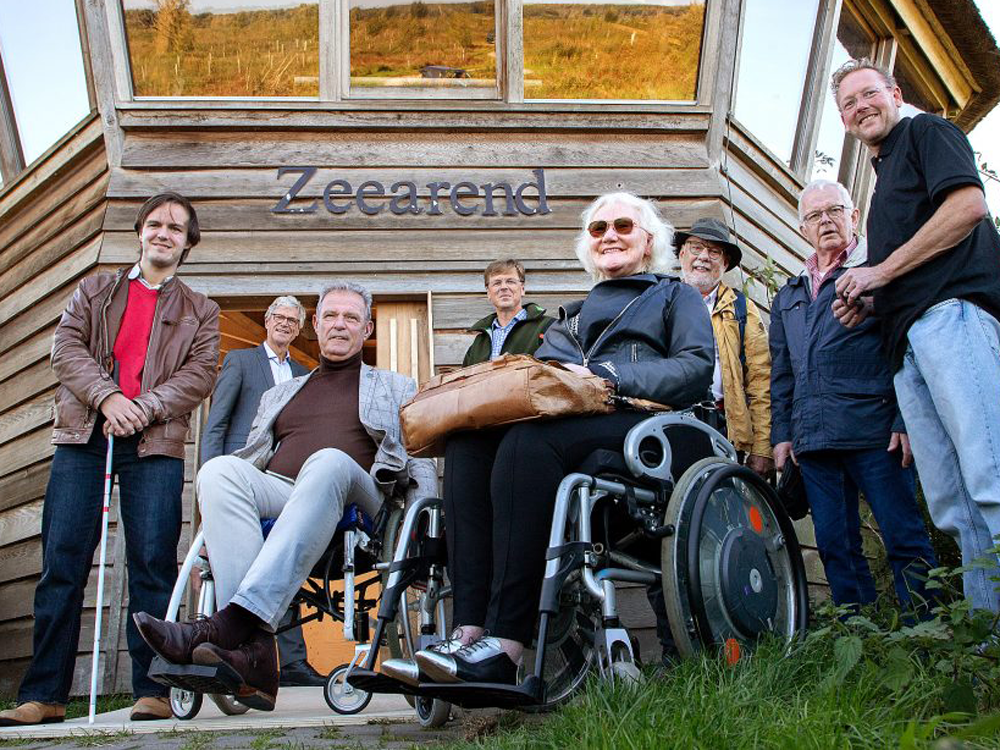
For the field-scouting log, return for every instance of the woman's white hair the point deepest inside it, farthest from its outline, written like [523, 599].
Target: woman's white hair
[845, 196]
[650, 219]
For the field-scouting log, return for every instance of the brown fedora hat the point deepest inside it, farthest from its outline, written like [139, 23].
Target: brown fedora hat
[712, 230]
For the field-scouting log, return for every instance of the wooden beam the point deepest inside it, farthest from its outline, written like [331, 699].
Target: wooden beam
[959, 86]
[11, 155]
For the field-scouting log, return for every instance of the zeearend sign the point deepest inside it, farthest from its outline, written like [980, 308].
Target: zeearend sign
[465, 198]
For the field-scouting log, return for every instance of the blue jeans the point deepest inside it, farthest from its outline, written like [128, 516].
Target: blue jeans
[150, 490]
[949, 393]
[832, 480]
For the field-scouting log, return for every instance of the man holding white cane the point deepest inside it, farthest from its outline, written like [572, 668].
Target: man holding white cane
[164, 337]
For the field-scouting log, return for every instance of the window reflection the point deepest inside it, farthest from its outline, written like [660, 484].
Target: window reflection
[423, 45]
[775, 44]
[236, 48]
[833, 144]
[49, 91]
[595, 50]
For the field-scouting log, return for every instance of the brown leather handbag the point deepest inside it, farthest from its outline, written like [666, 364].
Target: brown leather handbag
[512, 388]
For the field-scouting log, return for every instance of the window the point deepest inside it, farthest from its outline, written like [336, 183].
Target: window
[242, 48]
[776, 42]
[48, 91]
[411, 47]
[597, 50]
[852, 42]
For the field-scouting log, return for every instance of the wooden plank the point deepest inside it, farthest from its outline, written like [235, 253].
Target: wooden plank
[26, 417]
[30, 353]
[87, 176]
[30, 382]
[86, 140]
[68, 270]
[590, 183]
[450, 348]
[23, 486]
[26, 450]
[17, 639]
[53, 250]
[410, 149]
[376, 246]
[954, 76]
[137, 117]
[20, 523]
[744, 146]
[459, 312]
[20, 560]
[255, 214]
[42, 315]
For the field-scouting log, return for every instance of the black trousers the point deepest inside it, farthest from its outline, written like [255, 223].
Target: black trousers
[499, 492]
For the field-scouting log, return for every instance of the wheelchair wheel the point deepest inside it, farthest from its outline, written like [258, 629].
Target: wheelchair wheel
[431, 712]
[185, 704]
[341, 696]
[733, 570]
[228, 704]
[569, 649]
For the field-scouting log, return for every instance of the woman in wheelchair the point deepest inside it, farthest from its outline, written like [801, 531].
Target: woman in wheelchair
[646, 333]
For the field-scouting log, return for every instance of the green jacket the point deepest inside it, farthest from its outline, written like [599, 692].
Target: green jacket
[524, 337]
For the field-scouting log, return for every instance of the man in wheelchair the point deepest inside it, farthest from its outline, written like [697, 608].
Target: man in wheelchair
[319, 443]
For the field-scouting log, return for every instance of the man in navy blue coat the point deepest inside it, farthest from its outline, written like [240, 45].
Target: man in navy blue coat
[246, 374]
[833, 412]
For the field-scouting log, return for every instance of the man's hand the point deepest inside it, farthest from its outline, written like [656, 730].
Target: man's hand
[899, 441]
[857, 281]
[763, 465]
[782, 452]
[852, 315]
[124, 417]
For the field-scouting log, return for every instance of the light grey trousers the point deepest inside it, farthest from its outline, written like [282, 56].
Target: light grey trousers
[262, 575]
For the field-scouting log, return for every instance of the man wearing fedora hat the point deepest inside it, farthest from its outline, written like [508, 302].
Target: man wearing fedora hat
[741, 383]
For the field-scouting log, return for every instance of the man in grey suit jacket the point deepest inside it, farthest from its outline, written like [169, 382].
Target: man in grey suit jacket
[246, 374]
[318, 443]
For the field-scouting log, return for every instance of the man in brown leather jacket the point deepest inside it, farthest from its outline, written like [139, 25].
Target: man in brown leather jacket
[162, 340]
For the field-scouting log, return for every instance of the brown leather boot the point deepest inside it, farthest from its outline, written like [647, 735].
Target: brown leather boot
[151, 708]
[33, 712]
[175, 641]
[253, 665]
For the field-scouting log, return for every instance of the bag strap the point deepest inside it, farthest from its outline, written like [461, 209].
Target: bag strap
[740, 308]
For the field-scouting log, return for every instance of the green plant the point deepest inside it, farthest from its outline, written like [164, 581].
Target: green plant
[769, 275]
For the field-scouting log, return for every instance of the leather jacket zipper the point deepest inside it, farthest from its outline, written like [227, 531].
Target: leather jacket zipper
[608, 327]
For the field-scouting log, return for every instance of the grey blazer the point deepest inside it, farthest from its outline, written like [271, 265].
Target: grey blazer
[245, 375]
[381, 393]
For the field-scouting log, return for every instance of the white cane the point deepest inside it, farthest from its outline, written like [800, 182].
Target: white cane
[100, 580]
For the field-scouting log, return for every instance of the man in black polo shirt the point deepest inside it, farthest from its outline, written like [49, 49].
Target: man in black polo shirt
[934, 278]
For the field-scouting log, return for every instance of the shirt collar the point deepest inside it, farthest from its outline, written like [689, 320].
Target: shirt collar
[711, 297]
[885, 147]
[521, 315]
[271, 355]
[812, 262]
[136, 273]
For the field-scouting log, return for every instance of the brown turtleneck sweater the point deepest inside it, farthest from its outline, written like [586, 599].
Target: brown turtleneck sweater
[323, 414]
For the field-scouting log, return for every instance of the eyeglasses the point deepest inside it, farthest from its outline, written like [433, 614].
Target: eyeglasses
[835, 213]
[851, 103]
[622, 225]
[285, 319]
[697, 248]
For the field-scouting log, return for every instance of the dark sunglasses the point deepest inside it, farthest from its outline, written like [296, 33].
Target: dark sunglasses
[622, 225]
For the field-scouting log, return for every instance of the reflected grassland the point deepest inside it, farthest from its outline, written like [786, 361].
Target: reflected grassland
[405, 40]
[608, 51]
[248, 53]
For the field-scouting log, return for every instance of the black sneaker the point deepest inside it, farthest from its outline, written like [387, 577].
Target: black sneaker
[483, 660]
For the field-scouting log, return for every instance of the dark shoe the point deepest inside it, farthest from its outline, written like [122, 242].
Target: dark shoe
[175, 641]
[408, 671]
[151, 708]
[301, 674]
[483, 660]
[253, 666]
[33, 712]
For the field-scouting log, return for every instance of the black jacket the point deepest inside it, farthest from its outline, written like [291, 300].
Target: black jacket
[831, 386]
[658, 346]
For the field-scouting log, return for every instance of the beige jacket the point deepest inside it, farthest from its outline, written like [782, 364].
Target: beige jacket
[747, 394]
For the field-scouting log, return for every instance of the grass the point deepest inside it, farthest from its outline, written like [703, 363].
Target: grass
[78, 707]
[765, 701]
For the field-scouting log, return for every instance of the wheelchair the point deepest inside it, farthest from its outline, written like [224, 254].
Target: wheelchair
[352, 556]
[673, 507]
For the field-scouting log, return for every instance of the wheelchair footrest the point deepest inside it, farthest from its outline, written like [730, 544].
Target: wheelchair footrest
[486, 694]
[376, 682]
[193, 677]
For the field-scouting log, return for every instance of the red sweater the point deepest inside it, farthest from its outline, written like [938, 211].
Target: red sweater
[133, 337]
